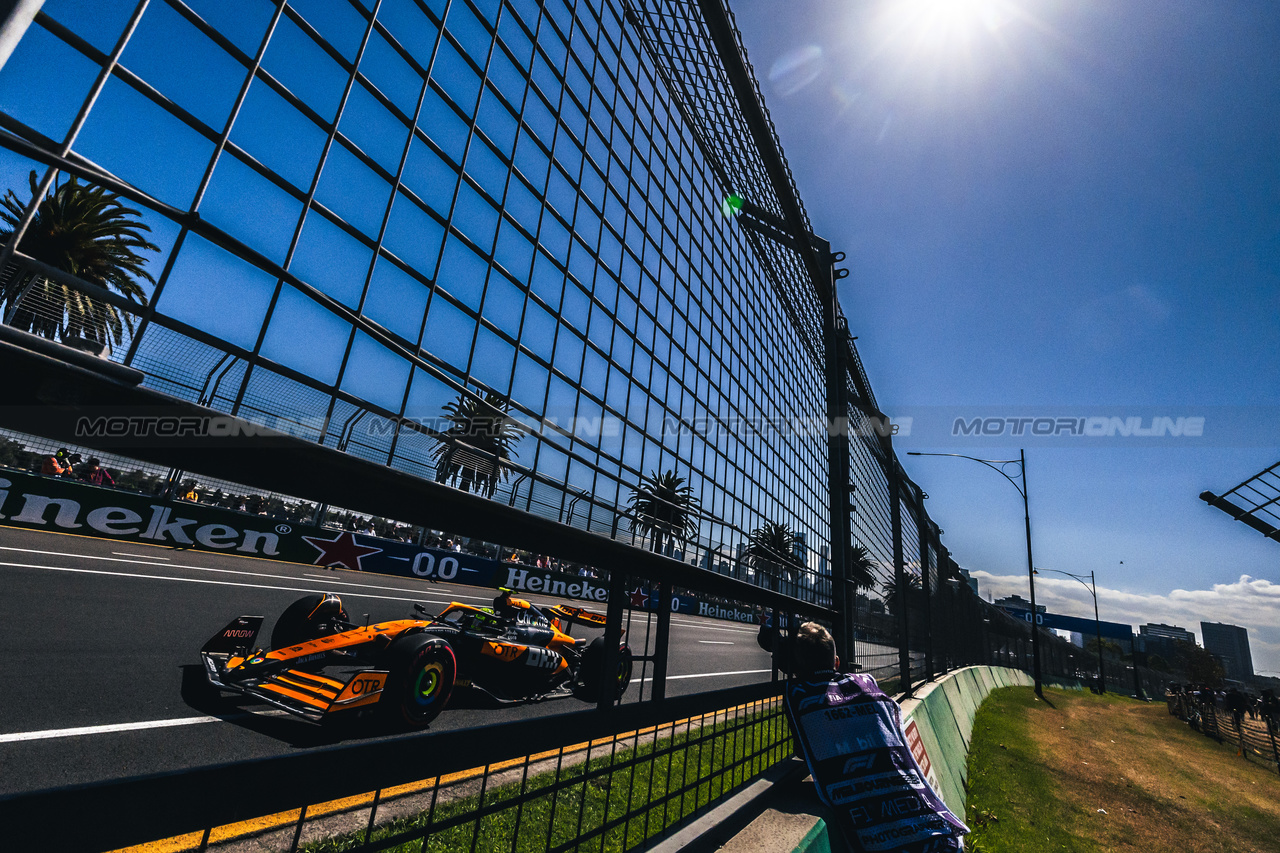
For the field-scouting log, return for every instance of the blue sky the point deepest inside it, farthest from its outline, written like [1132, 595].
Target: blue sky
[1069, 206]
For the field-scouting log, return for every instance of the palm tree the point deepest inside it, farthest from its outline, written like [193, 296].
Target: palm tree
[915, 586]
[475, 451]
[664, 508]
[861, 568]
[772, 550]
[87, 232]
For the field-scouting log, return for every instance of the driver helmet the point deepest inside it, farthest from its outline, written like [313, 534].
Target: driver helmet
[328, 610]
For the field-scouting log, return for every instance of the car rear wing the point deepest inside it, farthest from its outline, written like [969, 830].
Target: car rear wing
[578, 615]
[235, 639]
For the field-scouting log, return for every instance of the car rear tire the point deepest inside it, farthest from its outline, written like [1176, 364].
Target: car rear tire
[423, 670]
[590, 672]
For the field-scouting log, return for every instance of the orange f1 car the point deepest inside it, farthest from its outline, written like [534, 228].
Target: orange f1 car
[320, 665]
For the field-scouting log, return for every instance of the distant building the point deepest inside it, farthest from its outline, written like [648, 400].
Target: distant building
[1154, 645]
[1017, 602]
[800, 548]
[1169, 632]
[970, 580]
[1230, 643]
[1162, 640]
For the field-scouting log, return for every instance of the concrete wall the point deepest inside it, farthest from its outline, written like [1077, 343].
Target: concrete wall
[939, 724]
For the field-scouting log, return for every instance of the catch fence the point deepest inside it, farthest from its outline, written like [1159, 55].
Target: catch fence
[514, 209]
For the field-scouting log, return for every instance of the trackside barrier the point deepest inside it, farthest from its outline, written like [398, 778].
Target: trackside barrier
[576, 783]
[938, 722]
[53, 504]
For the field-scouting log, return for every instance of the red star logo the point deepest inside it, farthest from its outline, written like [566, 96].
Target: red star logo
[639, 598]
[342, 551]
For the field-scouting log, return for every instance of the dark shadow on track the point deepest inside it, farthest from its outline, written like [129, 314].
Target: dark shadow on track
[246, 713]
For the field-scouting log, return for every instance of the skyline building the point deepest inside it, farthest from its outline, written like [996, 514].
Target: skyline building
[1017, 602]
[1230, 643]
[1168, 632]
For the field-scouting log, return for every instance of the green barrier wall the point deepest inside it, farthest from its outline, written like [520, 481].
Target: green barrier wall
[939, 725]
[943, 713]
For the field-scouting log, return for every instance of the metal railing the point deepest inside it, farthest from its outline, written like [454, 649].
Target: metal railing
[1254, 736]
[591, 781]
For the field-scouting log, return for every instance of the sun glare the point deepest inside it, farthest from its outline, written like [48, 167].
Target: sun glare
[939, 26]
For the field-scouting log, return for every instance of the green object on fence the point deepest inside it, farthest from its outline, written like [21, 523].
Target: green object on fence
[732, 205]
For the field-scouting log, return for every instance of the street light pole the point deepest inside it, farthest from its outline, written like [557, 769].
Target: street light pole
[997, 465]
[1031, 577]
[1097, 623]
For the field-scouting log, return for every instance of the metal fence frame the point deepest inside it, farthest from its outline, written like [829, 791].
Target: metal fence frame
[139, 810]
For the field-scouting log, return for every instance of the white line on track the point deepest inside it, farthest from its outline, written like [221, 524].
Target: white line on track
[705, 627]
[113, 728]
[716, 642]
[85, 731]
[711, 674]
[126, 554]
[222, 571]
[451, 596]
[103, 730]
[206, 581]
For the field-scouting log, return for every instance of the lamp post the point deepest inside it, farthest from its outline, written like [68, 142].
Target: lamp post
[1092, 587]
[998, 465]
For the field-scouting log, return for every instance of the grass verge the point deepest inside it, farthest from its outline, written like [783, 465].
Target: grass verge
[1079, 772]
[614, 800]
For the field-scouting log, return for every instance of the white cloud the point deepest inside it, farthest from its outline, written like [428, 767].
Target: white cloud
[1251, 603]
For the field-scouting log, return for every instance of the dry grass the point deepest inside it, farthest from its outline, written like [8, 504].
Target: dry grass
[1086, 773]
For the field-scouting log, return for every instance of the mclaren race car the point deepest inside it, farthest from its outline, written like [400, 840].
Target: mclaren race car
[320, 666]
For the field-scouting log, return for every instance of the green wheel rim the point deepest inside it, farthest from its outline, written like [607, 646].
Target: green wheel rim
[426, 685]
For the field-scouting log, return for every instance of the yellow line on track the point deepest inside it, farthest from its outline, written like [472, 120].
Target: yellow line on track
[230, 832]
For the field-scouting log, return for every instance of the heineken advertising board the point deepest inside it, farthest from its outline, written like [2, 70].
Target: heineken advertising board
[56, 504]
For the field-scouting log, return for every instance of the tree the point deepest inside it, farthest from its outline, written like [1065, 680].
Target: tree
[87, 232]
[1110, 648]
[772, 550]
[860, 573]
[1200, 666]
[861, 568]
[475, 452]
[915, 589]
[664, 509]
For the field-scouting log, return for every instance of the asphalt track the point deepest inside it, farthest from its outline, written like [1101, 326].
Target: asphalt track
[94, 635]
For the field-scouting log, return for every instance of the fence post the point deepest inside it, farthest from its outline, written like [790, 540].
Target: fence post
[1271, 733]
[612, 637]
[899, 572]
[922, 525]
[658, 690]
[835, 333]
